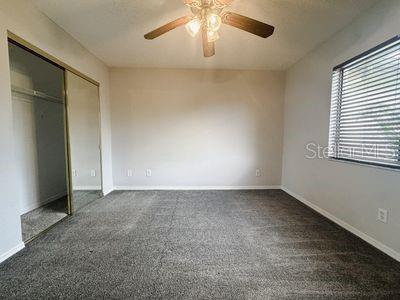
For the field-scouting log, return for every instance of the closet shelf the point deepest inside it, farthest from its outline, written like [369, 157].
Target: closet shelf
[37, 94]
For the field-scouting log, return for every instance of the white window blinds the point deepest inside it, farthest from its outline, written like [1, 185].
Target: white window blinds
[365, 109]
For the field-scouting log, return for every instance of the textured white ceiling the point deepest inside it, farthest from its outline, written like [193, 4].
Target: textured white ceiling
[113, 30]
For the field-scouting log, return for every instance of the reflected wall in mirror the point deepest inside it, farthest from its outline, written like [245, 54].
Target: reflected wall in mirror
[84, 136]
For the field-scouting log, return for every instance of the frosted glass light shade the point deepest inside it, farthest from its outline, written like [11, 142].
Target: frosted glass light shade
[213, 22]
[193, 27]
[212, 36]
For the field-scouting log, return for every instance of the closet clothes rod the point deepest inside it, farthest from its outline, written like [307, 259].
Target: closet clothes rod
[37, 94]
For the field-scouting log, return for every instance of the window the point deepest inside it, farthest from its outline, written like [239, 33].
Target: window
[365, 109]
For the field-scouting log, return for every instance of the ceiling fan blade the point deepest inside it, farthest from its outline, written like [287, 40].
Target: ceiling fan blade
[208, 48]
[250, 25]
[167, 27]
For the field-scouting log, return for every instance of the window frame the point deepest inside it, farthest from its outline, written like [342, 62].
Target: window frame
[340, 67]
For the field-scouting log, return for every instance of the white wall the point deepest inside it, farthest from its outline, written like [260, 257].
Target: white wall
[22, 18]
[196, 128]
[39, 151]
[352, 193]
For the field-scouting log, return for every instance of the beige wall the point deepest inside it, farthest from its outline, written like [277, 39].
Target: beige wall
[22, 18]
[196, 128]
[351, 193]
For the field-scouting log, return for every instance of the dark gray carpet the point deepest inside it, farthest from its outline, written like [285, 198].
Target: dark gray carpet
[82, 198]
[39, 219]
[199, 245]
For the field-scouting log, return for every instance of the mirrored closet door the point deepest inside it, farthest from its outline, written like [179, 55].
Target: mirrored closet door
[83, 109]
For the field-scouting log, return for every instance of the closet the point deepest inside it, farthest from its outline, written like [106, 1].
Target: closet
[40, 140]
[56, 128]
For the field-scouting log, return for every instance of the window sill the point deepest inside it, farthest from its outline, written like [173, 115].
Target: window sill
[362, 164]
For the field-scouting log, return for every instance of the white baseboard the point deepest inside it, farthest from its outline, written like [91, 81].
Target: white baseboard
[32, 206]
[389, 251]
[87, 188]
[11, 252]
[194, 188]
[107, 190]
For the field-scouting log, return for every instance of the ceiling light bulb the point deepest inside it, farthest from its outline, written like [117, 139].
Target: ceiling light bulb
[213, 22]
[193, 27]
[212, 36]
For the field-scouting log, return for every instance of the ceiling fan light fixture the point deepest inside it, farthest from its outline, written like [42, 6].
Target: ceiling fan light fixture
[213, 22]
[212, 36]
[193, 27]
[207, 16]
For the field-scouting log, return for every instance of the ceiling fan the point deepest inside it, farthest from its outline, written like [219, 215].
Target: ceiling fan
[207, 16]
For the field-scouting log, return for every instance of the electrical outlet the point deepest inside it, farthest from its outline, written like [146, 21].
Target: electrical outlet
[383, 215]
[148, 173]
[129, 173]
[74, 173]
[258, 173]
[93, 173]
